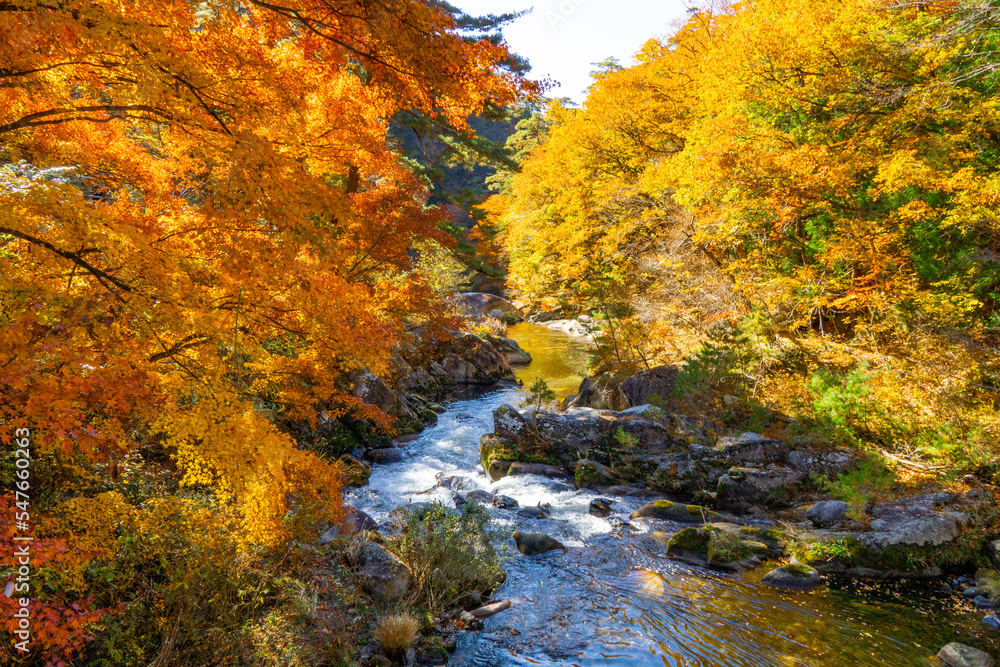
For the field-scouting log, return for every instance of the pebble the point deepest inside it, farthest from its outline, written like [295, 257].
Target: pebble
[982, 602]
[970, 592]
[992, 620]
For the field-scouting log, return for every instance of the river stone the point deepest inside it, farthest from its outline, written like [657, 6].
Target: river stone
[355, 473]
[666, 510]
[982, 602]
[504, 502]
[511, 351]
[384, 455]
[992, 620]
[795, 576]
[589, 474]
[600, 507]
[383, 575]
[960, 655]
[454, 482]
[828, 513]
[480, 496]
[537, 512]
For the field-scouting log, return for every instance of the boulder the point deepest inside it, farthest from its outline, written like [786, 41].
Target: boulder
[384, 455]
[589, 474]
[719, 546]
[504, 502]
[511, 351]
[382, 574]
[665, 510]
[538, 512]
[747, 448]
[960, 655]
[601, 392]
[828, 464]
[772, 486]
[658, 381]
[354, 472]
[828, 513]
[478, 304]
[600, 507]
[794, 577]
[920, 520]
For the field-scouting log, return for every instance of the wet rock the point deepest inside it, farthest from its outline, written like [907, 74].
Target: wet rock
[480, 496]
[795, 577]
[504, 502]
[621, 490]
[459, 501]
[382, 574]
[384, 455]
[499, 469]
[960, 655]
[718, 546]
[491, 609]
[666, 510]
[532, 544]
[828, 513]
[538, 512]
[600, 507]
[992, 620]
[771, 486]
[454, 482]
[589, 474]
[355, 473]
[982, 602]
[970, 592]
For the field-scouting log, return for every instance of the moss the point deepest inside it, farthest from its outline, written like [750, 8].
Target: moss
[800, 570]
[758, 548]
[695, 540]
[696, 510]
[663, 504]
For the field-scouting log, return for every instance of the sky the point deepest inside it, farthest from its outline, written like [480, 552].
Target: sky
[561, 38]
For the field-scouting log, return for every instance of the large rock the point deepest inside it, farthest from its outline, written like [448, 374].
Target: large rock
[479, 304]
[922, 520]
[355, 473]
[666, 510]
[748, 448]
[468, 359]
[960, 655]
[563, 439]
[511, 351]
[828, 513]
[382, 574]
[794, 577]
[590, 474]
[830, 463]
[645, 384]
[773, 486]
[601, 392]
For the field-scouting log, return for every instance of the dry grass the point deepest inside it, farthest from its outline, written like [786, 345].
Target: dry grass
[396, 633]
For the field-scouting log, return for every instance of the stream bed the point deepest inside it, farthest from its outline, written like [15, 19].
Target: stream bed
[614, 598]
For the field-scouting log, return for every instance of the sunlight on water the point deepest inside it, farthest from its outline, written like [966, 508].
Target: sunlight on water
[557, 358]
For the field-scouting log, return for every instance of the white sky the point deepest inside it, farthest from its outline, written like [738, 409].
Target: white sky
[561, 38]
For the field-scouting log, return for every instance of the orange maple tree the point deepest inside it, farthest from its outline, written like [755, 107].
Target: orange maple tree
[203, 223]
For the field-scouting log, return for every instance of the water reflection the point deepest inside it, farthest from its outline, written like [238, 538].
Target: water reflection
[557, 358]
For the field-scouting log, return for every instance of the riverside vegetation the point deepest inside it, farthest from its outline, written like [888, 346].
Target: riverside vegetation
[225, 295]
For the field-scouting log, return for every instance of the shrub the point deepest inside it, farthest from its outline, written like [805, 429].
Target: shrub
[448, 554]
[396, 633]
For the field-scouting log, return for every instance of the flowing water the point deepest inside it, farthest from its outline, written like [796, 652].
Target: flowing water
[614, 599]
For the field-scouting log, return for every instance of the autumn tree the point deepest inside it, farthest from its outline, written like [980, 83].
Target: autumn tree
[204, 230]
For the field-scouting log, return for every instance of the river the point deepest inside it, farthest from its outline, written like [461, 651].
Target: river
[615, 599]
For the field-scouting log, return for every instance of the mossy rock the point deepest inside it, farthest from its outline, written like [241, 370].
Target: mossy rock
[795, 576]
[715, 547]
[589, 474]
[690, 540]
[355, 473]
[666, 510]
